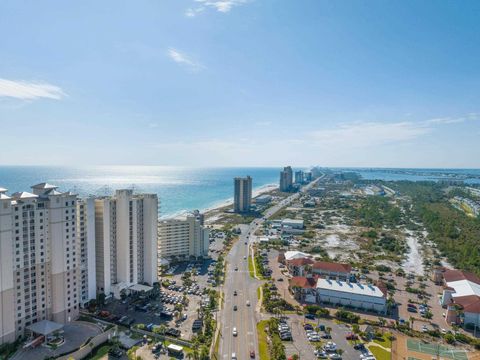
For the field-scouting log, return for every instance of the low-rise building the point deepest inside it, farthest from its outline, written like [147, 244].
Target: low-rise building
[304, 289]
[300, 266]
[332, 270]
[263, 199]
[293, 223]
[461, 297]
[365, 297]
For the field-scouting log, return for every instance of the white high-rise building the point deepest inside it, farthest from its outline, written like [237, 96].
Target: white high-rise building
[126, 241]
[86, 249]
[182, 237]
[39, 260]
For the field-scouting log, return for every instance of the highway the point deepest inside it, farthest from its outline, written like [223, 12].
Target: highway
[237, 278]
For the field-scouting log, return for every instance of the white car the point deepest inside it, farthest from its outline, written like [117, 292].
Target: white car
[234, 356]
[248, 302]
[234, 332]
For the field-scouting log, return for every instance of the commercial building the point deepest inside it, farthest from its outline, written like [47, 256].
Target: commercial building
[39, 260]
[332, 270]
[263, 199]
[182, 237]
[286, 179]
[243, 194]
[126, 241]
[461, 297]
[343, 293]
[293, 223]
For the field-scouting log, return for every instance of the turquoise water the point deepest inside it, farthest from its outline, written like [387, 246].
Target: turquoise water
[179, 189]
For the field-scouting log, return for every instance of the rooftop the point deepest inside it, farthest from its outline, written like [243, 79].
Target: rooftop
[23, 195]
[332, 267]
[303, 282]
[351, 288]
[290, 255]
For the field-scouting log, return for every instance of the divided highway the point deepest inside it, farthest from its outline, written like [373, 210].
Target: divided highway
[240, 290]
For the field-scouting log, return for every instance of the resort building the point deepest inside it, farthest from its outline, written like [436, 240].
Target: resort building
[344, 293]
[299, 177]
[263, 199]
[126, 241]
[286, 179]
[300, 266]
[304, 289]
[39, 259]
[461, 297]
[243, 194]
[182, 237]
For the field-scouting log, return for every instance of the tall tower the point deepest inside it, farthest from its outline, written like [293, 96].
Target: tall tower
[286, 179]
[243, 194]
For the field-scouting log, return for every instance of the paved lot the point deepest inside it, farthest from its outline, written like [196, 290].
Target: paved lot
[75, 334]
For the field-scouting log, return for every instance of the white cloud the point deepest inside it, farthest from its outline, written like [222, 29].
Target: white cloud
[183, 59]
[192, 12]
[26, 90]
[369, 134]
[223, 6]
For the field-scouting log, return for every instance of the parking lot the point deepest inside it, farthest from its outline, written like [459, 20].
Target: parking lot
[327, 335]
[176, 305]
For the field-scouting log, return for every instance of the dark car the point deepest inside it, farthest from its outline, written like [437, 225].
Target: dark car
[310, 316]
[115, 352]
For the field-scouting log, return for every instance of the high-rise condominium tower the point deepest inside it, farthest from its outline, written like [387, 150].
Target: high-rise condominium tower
[243, 194]
[286, 179]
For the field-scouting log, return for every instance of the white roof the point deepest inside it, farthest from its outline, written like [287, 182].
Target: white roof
[4, 196]
[351, 288]
[23, 195]
[45, 327]
[2, 190]
[44, 186]
[290, 255]
[464, 288]
[175, 347]
[292, 221]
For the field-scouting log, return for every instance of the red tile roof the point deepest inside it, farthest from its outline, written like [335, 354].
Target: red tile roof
[303, 282]
[332, 267]
[300, 262]
[457, 275]
[469, 303]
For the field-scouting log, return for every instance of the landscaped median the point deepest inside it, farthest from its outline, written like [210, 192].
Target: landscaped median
[262, 340]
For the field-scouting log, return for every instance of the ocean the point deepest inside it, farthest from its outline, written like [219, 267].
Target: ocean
[181, 188]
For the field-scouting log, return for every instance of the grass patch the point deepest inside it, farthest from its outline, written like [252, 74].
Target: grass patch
[251, 270]
[379, 353]
[259, 291]
[99, 352]
[262, 340]
[384, 341]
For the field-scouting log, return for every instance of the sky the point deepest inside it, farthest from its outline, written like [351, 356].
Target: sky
[240, 83]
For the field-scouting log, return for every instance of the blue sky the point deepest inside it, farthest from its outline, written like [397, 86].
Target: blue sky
[240, 82]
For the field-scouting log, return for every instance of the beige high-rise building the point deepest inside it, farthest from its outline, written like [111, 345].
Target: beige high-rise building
[39, 260]
[126, 241]
[183, 237]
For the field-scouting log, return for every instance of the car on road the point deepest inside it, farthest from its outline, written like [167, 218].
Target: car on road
[280, 279]
[248, 302]
[235, 308]
[244, 258]
[252, 354]
[234, 331]
[234, 356]
[236, 268]
[235, 293]
[310, 316]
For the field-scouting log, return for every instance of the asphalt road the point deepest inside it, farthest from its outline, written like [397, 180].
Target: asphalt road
[245, 318]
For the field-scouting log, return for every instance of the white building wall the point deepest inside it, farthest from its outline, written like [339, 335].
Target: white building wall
[7, 313]
[348, 299]
[150, 238]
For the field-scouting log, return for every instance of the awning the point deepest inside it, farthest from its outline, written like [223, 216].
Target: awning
[45, 327]
[140, 287]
